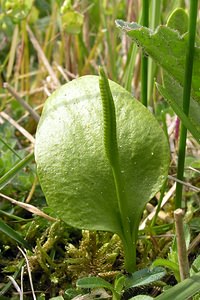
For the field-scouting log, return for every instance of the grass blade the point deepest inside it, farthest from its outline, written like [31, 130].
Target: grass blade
[13, 234]
[183, 290]
[6, 178]
[186, 98]
[144, 61]
[154, 22]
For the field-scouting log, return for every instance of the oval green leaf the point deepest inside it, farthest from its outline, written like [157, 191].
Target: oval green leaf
[93, 283]
[74, 171]
[144, 277]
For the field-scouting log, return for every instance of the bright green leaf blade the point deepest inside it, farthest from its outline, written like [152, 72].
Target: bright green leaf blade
[11, 216]
[119, 283]
[144, 276]
[166, 263]
[167, 47]
[74, 171]
[129, 70]
[13, 234]
[93, 283]
[183, 290]
[6, 178]
[195, 266]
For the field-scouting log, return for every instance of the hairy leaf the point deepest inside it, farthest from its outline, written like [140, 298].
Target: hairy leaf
[167, 47]
[93, 283]
[144, 276]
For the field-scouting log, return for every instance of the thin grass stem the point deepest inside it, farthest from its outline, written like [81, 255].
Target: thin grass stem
[6, 178]
[131, 63]
[10, 148]
[111, 53]
[155, 19]
[12, 52]
[144, 61]
[186, 98]
[31, 111]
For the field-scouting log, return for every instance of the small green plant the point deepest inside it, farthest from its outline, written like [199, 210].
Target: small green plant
[181, 291]
[100, 156]
[101, 162]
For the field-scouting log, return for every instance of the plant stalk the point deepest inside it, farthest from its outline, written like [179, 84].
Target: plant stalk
[112, 153]
[181, 245]
[129, 242]
[111, 53]
[131, 63]
[144, 60]
[154, 22]
[186, 98]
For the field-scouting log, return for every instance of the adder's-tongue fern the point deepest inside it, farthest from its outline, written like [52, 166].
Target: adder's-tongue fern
[109, 119]
[111, 149]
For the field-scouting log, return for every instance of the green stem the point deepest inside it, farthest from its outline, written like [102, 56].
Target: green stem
[116, 296]
[129, 71]
[186, 97]
[131, 63]
[112, 153]
[155, 19]
[111, 53]
[144, 61]
[129, 242]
